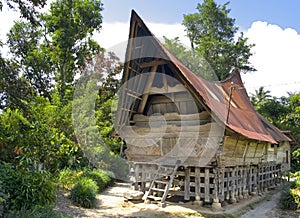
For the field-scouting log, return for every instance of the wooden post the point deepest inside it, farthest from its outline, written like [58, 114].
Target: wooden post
[187, 184]
[222, 172]
[233, 186]
[228, 179]
[197, 184]
[250, 188]
[206, 186]
[216, 204]
[136, 176]
[246, 182]
[259, 178]
[240, 181]
[254, 189]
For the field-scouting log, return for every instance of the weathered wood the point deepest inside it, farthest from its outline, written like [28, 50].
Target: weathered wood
[187, 184]
[173, 116]
[220, 184]
[165, 82]
[222, 191]
[167, 89]
[154, 63]
[147, 89]
[206, 186]
[134, 96]
[197, 184]
[233, 185]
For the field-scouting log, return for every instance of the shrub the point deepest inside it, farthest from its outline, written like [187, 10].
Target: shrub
[84, 193]
[295, 193]
[26, 188]
[67, 178]
[101, 177]
[287, 200]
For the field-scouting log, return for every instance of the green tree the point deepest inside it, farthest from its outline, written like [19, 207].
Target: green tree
[293, 117]
[272, 108]
[31, 56]
[14, 89]
[70, 25]
[212, 35]
[260, 96]
[196, 63]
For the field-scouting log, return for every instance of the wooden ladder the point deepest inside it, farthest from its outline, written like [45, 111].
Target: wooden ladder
[161, 184]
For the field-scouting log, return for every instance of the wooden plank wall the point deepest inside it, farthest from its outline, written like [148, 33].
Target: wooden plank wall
[214, 185]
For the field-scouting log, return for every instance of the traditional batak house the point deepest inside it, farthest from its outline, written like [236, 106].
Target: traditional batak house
[187, 137]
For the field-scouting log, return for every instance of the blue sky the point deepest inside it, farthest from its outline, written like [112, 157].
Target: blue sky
[283, 13]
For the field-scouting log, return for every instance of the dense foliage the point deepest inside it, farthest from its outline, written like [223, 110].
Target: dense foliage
[50, 57]
[283, 112]
[214, 37]
[290, 198]
[24, 188]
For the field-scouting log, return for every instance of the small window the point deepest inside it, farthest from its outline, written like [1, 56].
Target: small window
[287, 157]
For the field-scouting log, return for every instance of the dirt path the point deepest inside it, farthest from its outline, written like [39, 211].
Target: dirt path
[270, 208]
[265, 209]
[111, 204]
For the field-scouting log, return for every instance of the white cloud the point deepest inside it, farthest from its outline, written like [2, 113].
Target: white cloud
[114, 36]
[276, 58]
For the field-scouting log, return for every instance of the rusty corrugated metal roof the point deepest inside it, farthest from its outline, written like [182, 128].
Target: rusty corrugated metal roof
[242, 117]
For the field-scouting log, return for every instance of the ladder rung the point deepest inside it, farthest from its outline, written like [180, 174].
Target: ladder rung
[158, 189]
[154, 197]
[162, 182]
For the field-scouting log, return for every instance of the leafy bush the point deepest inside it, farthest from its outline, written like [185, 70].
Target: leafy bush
[287, 200]
[295, 193]
[67, 178]
[101, 177]
[37, 212]
[26, 188]
[84, 193]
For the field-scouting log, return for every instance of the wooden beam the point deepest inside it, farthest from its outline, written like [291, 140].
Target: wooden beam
[165, 82]
[245, 151]
[147, 89]
[153, 63]
[120, 117]
[255, 149]
[235, 148]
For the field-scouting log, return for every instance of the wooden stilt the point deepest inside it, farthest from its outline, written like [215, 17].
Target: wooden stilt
[197, 185]
[206, 186]
[187, 184]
